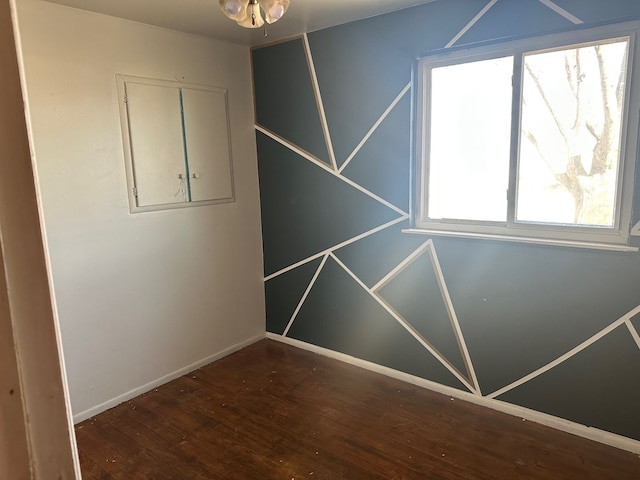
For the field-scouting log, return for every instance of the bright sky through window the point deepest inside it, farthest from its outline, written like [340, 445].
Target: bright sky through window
[570, 134]
[469, 141]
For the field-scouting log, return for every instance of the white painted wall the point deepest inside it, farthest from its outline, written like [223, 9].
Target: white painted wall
[142, 297]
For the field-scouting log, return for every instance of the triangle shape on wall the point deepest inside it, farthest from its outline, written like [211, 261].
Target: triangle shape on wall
[306, 209]
[285, 99]
[597, 387]
[522, 306]
[382, 164]
[284, 292]
[415, 293]
[388, 247]
[362, 66]
[340, 315]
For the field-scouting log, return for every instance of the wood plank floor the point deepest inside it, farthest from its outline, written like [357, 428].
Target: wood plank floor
[272, 411]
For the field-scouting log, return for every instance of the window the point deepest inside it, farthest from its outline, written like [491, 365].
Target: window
[176, 143]
[530, 140]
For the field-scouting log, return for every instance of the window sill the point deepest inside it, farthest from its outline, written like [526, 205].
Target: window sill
[539, 241]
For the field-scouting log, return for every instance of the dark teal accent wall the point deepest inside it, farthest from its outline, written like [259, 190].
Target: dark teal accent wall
[341, 274]
[284, 69]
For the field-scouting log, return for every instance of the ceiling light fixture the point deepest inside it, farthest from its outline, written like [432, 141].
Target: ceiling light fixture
[248, 13]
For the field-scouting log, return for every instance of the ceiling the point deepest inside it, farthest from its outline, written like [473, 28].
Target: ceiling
[203, 17]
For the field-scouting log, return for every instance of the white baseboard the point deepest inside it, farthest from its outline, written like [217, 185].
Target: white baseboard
[580, 430]
[90, 412]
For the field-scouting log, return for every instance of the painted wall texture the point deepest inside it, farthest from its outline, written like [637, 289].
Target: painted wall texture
[140, 297]
[480, 316]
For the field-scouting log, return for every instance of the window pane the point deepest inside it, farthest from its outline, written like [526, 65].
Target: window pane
[469, 140]
[572, 103]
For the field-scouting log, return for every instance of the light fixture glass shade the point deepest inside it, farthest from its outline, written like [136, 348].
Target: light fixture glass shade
[234, 9]
[254, 16]
[274, 9]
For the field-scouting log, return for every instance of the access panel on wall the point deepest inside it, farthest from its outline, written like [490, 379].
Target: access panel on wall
[176, 143]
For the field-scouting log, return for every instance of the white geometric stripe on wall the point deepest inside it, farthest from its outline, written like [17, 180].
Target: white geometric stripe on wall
[375, 126]
[625, 319]
[306, 293]
[294, 148]
[328, 169]
[409, 328]
[337, 247]
[472, 382]
[548, 3]
[334, 171]
[319, 103]
[428, 248]
[471, 23]
[561, 11]
[633, 332]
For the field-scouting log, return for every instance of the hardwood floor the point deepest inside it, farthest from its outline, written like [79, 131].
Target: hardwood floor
[272, 411]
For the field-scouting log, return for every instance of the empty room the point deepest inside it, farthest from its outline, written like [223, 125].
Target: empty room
[286, 239]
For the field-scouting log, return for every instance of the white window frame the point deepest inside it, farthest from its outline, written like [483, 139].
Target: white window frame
[616, 238]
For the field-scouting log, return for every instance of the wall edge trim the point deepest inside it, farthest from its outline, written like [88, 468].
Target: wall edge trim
[527, 414]
[93, 411]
